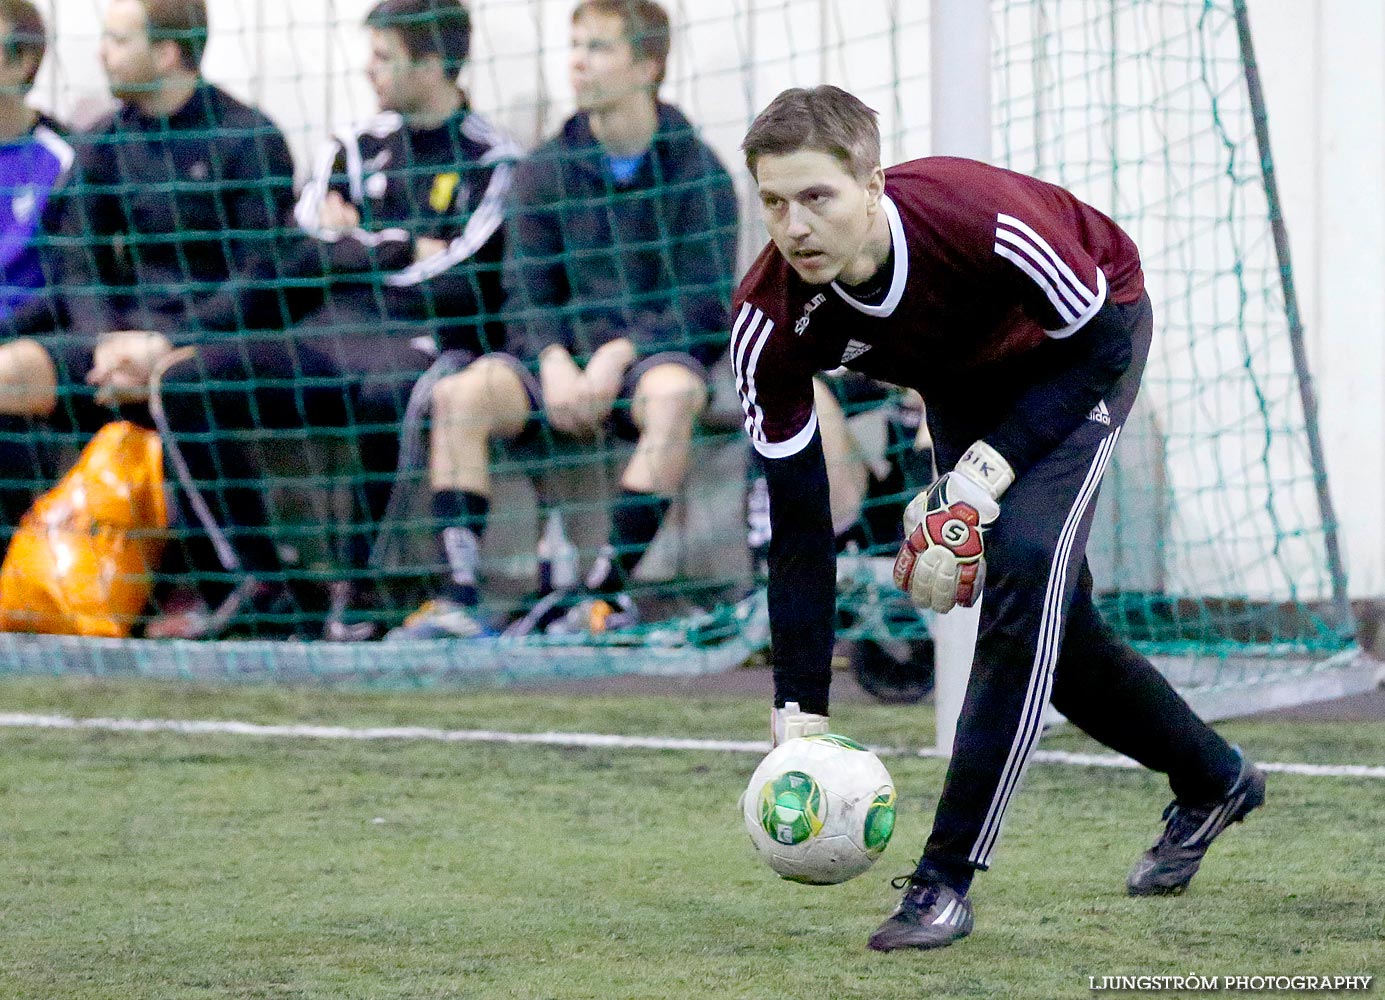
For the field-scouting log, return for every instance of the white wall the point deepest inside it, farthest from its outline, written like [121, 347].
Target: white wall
[1323, 71]
[1324, 78]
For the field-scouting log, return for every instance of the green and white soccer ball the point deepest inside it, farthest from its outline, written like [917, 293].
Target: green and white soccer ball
[820, 810]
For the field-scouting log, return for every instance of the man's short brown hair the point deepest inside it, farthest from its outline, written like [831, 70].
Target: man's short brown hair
[27, 34]
[645, 23]
[826, 119]
[425, 28]
[182, 22]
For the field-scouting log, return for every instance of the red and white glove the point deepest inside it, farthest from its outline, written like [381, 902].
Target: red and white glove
[942, 562]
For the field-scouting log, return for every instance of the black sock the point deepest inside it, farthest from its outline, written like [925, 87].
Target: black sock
[958, 877]
[461, 516]
[635, 520]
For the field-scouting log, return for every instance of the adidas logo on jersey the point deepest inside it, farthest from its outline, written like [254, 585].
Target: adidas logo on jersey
[854, 349]
[1100, 414]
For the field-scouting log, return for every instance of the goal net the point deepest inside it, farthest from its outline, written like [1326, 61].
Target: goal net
[1215, 548]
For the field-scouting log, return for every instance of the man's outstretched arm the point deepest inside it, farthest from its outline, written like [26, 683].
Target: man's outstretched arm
[802, 577]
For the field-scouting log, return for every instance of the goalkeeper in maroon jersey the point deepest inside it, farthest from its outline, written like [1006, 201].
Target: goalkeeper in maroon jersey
[1020, 315]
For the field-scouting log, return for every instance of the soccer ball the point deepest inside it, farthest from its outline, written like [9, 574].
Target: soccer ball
[820, 809]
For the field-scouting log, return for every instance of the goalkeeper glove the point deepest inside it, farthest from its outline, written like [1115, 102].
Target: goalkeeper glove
[789, 723]
[942, 562]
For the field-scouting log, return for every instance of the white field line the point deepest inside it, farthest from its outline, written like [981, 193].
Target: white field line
[208, 727]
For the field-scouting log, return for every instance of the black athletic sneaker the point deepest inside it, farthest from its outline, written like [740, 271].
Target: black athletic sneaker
[1168, 866]
[931, 915]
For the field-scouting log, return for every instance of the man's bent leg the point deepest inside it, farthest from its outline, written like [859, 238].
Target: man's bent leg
[488, 399]
[212, 400]
[1113, 694]
[43, 398]
[665, 404]
[378, 372]
[667, 401]
[1034, 556]
[491, 399]
[28, 389]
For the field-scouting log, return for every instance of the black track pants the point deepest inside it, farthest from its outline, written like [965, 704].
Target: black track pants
[340, 369]
[1041, 638]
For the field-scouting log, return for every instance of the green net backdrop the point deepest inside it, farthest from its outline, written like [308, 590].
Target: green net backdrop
[1210, 537]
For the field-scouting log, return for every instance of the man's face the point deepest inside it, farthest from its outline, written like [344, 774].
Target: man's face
[391, 72]
[400, 82]
[126, 55]
[602, 64]
[14, 72]
[817, 213]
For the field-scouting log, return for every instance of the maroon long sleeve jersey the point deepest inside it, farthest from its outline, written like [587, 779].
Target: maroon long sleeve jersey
[988, 266]
[999, 308]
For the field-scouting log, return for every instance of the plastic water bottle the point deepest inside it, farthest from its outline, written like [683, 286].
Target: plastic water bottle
[557, 556]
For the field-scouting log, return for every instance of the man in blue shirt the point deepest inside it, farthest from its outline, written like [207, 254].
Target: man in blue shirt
[35, 160]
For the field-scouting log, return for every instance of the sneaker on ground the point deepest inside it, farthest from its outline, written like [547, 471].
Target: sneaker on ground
[441, 619]
[1167, 867]
[930, 915]
[544, 610]
[595, 614]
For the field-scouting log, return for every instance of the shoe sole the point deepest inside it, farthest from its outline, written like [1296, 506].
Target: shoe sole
[925, 945]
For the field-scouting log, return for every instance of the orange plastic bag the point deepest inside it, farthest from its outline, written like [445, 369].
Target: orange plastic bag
[82, 559]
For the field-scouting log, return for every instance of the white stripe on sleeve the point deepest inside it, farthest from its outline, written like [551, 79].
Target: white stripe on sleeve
[479, 228]
[795, 444]
[1074, 302]
[308, 210]
[749, 335]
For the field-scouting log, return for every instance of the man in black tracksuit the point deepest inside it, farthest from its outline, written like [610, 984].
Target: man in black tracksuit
[620, 260]
[398, 256]
[169, 212]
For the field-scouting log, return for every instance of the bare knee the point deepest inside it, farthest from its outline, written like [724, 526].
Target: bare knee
[28, 379]
[668, 396]
[484, 399]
